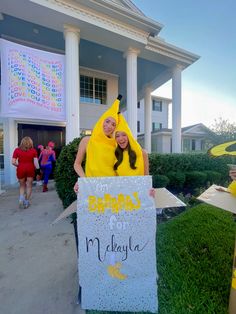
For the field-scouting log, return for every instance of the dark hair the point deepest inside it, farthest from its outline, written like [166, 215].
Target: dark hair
[119, 156]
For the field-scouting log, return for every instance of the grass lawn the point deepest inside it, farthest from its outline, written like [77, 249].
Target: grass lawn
[194, 262]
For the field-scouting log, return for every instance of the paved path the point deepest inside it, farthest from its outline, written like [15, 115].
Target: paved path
[38, 264]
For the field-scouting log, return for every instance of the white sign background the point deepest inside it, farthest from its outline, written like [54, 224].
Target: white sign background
[117, 251]
[32, 83]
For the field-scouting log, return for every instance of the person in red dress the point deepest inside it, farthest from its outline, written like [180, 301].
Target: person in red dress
[25, 160]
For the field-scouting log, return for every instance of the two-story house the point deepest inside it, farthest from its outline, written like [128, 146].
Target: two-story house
[64, 62]
[194, 138]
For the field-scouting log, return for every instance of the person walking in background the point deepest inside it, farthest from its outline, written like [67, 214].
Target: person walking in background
[40, 148]
[40, 175]
[25, 160]
[46, 159]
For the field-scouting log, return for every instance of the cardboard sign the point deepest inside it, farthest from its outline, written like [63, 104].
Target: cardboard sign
[163, 199]
[116, 221]
[232, 298]
[221, 199]
[67, 212]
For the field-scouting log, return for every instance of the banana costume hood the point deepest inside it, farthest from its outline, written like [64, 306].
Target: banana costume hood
[124, 168]
[100, 149]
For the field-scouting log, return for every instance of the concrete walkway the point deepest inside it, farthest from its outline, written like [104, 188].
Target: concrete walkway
[38, 262]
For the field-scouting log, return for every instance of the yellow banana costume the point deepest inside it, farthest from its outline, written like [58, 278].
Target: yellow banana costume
[100, 149]
[228, 148]
[124, 168]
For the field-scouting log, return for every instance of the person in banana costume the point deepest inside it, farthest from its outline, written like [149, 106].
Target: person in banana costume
[131, 159]
[99, 147]
[226, 149]
[99, 150]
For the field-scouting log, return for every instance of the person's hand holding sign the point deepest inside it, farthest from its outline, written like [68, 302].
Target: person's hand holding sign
[232, 172]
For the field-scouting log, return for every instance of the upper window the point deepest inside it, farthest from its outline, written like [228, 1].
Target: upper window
[1, 148]
[1, 138]
[138, 104]
[138, 126]
[93, 90]
[156, 105]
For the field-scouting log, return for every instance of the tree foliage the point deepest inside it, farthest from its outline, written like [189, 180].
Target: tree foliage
[225, 130]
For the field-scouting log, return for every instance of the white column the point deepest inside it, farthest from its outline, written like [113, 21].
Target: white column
[132, 99]
[148, 120]
[10, 143]
[176, 110]
[72, 81]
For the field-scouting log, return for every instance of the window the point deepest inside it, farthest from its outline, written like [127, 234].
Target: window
[203, 145]
[86, 132]
[138, 126]
[189, 145]
[93, 90]
[156, 126]
[1, 148]
[138, 104]
[186, 145]
[156, 105]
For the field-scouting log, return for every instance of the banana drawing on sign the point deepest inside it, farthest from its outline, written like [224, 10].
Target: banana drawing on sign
[114, 271]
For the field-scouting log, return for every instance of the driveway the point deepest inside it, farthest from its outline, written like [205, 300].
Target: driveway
[38, 268]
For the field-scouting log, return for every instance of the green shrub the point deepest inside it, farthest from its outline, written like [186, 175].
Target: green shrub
[177, 180]
[194, 261]
[159, 181]
[195, 179]
[213, 176]
[65, 175]
[165, 163]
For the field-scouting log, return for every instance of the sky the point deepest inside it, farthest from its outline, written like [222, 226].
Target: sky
[206, 28]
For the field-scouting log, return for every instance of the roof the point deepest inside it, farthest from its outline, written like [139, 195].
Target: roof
[194, 127]
[188, 130]
[125, 11]
[127, 4]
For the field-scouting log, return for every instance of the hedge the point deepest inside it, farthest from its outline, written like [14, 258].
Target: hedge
[65, 175]
[177, 172]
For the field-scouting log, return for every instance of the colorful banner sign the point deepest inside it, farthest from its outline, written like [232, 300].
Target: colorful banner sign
[116, 220]
[32, 83]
